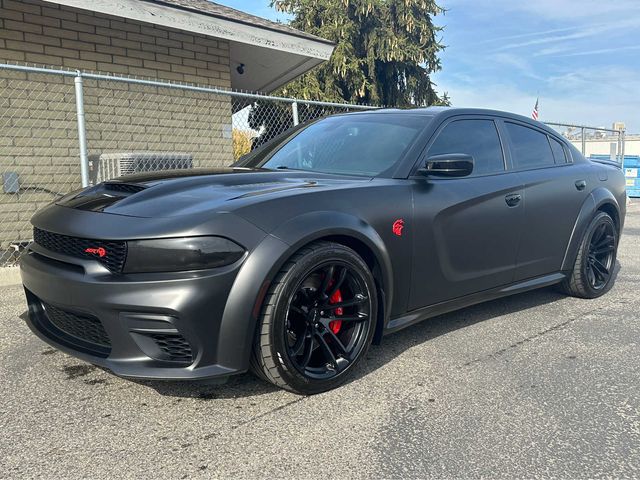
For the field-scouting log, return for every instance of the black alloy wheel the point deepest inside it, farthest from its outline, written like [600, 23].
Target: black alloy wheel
[318, 319]
[592, 274]
[327, 320]
[601, 255]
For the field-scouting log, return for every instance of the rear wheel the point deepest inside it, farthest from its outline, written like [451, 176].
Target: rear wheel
[592, 273]
[317, 321]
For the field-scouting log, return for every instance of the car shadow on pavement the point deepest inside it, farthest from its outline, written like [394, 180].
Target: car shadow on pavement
[237, 386]
[247, 385]
[396, 343]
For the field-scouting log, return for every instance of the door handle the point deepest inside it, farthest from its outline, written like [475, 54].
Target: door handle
[581, 184]
[513, 199]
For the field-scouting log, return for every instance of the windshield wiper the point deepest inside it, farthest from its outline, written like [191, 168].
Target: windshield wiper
[284, 167]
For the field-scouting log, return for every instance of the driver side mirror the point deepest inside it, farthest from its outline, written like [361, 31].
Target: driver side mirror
[448, 165]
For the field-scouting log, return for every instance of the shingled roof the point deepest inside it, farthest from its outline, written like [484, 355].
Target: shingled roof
[262, 55]
[210, 8]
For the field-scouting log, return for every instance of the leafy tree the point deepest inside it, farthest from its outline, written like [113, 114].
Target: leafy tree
[386, 51]
[242, 142]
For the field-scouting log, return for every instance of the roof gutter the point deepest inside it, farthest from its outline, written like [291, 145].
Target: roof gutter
[204, 23]
[243, 22]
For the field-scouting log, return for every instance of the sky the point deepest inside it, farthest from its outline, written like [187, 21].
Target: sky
[580, 57]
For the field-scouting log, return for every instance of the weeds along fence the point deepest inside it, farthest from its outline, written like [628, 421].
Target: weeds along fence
[62, 130]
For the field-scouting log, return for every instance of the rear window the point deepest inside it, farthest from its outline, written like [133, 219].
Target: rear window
[365, 144]
[559, 153]
[530, 148]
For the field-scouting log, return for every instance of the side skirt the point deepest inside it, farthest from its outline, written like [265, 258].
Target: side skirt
[416, 316]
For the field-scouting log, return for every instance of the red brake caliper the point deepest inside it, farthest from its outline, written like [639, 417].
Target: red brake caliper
[336, 324]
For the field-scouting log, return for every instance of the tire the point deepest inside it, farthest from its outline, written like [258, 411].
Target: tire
[580, 282]
[298, 322]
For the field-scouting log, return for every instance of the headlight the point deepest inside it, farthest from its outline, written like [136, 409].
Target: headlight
[179, 254]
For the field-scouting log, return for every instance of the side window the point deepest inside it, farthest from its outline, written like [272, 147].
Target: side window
[531, 148]
[478, 138]
[558, 151]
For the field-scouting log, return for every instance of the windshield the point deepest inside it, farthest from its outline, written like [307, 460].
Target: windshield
[364, 144]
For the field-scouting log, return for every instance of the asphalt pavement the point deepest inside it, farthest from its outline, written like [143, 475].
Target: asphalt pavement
[535, 385]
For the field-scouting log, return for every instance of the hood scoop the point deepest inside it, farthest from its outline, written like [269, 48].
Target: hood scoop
[103, 195]
[123, 187]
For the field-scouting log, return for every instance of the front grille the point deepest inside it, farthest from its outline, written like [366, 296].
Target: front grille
[111, 254]
[85, 327]
[174, 345]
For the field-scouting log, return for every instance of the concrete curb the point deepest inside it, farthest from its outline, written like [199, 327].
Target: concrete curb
[9, 276]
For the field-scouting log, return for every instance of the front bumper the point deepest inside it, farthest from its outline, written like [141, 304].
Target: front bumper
[154, 326]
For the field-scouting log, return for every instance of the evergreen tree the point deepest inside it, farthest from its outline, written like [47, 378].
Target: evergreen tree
[385, 51]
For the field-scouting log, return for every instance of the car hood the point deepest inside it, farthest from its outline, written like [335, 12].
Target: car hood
[184, 192]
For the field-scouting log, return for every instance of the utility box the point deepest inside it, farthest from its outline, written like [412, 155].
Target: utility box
[111, 165]
[632, 175]
[10, 182]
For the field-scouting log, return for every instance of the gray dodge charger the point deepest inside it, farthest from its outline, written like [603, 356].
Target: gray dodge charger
[315, 245]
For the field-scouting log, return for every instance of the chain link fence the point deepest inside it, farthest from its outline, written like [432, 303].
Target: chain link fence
[62, 130]
[594, 141]
[39, 151]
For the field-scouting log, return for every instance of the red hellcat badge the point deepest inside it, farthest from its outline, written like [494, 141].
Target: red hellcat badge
[398, 225]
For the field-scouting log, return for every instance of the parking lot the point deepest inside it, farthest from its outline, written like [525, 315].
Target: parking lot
[529, 386]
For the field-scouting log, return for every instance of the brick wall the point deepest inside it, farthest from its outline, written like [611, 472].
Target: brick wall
[38, 132]
[45, 33]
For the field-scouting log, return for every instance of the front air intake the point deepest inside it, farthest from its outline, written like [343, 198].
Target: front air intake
[110, 253]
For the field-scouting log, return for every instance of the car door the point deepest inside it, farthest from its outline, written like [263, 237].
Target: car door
[554, 191]
[466, 230]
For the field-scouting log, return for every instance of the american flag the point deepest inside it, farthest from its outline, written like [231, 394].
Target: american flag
[534, 114]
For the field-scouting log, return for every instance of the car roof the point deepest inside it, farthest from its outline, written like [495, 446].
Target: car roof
[446, 112]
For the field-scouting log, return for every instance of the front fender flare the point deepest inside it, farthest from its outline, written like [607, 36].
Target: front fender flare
[262, 265]
[309, 227]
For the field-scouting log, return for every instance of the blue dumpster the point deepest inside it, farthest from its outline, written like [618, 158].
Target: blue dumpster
[631, 174]
[631, 167]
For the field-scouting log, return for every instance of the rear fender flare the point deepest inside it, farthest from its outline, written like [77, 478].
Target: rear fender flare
[598, 197]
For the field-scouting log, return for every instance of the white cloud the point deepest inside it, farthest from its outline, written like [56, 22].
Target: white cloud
[555, 9]
[554, 50]
[572, 9]
[581, 55]
[529, 35]
[598, 51]
[516, 62]
[607, 84]
[579, 98]
[593, 31]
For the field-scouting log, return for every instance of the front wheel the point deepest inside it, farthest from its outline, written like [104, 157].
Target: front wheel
[592, 273]
[317, 321]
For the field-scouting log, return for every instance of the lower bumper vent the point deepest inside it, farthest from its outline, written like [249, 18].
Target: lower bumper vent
[174, 346]
[85, 327]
